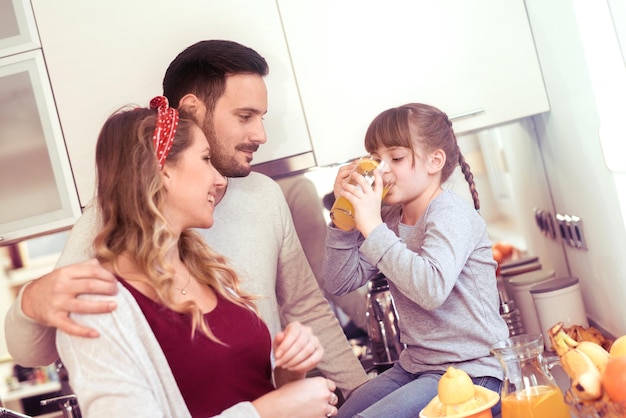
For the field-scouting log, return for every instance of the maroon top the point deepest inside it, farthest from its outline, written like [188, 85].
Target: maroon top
[210, 376]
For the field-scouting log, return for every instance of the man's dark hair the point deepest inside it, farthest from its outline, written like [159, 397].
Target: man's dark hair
[201, 69]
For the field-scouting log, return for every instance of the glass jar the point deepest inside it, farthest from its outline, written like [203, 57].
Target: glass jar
[528, 389]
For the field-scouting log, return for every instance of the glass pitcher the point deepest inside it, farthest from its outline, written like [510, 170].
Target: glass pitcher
[528, 389]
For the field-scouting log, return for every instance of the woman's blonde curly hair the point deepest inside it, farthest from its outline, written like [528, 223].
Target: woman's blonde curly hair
[130, 196]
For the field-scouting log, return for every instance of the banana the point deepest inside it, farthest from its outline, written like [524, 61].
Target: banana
[583, 363]
[598, 355]
[561, 341]
[575, 363]
[587, 386]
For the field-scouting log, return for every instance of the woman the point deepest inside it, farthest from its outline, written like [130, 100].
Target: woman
[184, 340]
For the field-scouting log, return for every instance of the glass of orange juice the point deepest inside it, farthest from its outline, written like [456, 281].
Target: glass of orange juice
[342, 212]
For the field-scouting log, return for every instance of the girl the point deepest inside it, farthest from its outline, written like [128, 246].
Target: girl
[432, 247]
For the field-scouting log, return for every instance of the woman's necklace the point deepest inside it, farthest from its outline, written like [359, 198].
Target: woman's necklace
[183, 290]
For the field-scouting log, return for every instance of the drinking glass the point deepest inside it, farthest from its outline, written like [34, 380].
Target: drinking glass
[342, 212]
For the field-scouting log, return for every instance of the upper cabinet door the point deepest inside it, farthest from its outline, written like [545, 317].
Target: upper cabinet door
[37, 191]
[102, 55]
[475, 60]
[17, 27]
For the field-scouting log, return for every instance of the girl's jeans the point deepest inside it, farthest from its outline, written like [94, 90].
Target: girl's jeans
[397, 393]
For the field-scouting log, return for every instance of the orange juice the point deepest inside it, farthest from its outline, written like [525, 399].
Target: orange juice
[536, 402]
[342, 212]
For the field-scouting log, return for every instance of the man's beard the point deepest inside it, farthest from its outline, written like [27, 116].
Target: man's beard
[223, 162]
[227, 165]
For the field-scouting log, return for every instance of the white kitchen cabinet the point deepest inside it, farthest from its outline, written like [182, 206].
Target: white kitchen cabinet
[37, 193]
[18, 32]
[105, 54]
[336, 63]
[355, 58]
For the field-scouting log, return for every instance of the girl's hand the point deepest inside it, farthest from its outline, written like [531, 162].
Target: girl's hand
[342, 177]
[296, 349]
[366, 200]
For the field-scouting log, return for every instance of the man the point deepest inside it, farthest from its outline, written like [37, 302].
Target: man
[221, 84]
[307, 213]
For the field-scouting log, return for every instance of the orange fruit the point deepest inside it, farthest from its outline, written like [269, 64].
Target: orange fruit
[505, 248]
[497, 255]
[614, 379]
[618, 348]
[455, 387]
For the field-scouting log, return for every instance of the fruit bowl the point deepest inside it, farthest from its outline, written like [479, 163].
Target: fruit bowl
[597, 409]
[485, 397]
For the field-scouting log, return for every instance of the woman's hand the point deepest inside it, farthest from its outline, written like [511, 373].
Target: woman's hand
[297, 350]
[305, 398]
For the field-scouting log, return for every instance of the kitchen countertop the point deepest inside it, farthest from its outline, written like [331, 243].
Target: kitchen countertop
[28, 390]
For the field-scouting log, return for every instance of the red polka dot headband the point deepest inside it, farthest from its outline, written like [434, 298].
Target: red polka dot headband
[165, 130]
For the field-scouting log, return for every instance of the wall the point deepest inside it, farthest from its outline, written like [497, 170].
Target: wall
[580, 182]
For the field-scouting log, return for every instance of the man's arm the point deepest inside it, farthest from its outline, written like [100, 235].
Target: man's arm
[29, 343]
[307, 212]
[44, 304]
[301, 300]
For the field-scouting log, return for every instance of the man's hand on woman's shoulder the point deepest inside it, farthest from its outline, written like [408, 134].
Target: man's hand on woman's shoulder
[51, 298]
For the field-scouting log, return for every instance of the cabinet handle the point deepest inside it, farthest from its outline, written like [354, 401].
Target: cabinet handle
[467, 113]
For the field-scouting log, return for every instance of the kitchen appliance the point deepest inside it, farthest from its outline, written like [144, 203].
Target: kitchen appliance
[514, 268]
[511, 316]
[521, 285]
[559, 300]
[382, 323]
